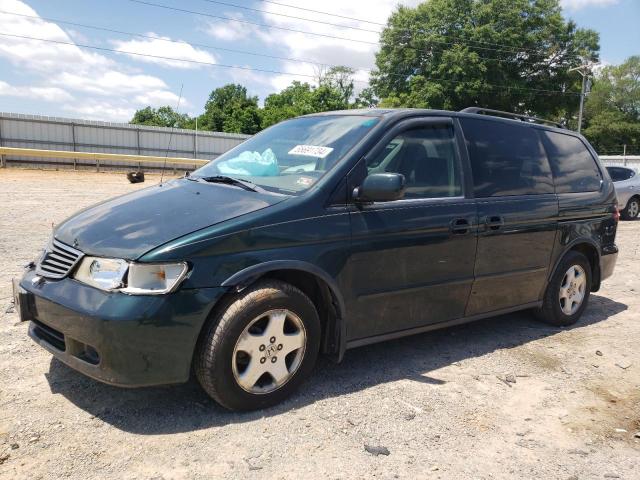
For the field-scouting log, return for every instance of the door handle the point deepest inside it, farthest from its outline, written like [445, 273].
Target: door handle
[494, 222]
[460, 226]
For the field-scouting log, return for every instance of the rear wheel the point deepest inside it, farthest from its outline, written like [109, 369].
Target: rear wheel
[258, 350]
[568, 291]
[632, 209]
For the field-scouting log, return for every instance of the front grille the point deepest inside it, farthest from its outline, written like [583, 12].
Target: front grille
[58, 260]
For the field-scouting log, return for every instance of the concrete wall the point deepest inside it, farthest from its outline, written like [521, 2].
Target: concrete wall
[52, 133]
[632, 161]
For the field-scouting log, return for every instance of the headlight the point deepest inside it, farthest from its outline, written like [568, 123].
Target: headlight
[132, 278]
[103, 273]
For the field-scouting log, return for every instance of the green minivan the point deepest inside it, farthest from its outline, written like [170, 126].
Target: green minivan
[321, 234]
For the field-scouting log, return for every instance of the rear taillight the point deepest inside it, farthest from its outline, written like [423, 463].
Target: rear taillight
[616, 214]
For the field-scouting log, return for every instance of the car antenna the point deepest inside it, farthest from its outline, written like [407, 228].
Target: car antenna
[171, 136]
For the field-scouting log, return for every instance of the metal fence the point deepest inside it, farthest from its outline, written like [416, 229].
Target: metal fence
[52, 133]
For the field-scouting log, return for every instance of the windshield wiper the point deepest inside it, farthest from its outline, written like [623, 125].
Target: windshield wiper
[230, 181]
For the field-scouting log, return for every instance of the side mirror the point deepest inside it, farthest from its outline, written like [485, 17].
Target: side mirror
[380, 187]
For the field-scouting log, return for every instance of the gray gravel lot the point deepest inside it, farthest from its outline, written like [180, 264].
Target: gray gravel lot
[505, 397]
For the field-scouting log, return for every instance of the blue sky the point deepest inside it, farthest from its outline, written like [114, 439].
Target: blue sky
[70, 81]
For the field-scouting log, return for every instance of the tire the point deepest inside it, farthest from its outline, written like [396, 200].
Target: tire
[244, 342]
[632, 209]
[556, 311]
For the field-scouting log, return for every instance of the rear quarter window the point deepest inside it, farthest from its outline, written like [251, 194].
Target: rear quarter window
[619, 174]
[574, 168]
[506, 159]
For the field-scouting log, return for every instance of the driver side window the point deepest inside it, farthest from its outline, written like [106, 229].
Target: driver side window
[426, 156]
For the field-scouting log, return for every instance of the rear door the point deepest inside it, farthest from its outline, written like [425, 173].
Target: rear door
[517, 213]
[412, 260]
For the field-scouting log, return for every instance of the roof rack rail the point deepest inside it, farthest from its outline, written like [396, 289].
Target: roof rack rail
[513, 116]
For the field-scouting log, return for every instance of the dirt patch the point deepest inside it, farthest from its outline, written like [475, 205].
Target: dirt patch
[540, 358]
[610, 414]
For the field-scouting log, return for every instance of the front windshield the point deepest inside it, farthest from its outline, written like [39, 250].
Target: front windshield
[293, 155]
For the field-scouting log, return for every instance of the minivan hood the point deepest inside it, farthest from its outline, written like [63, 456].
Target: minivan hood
[131, 225]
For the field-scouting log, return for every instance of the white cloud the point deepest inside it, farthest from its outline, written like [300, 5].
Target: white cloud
[160, 98]
[230, 31]
[110, 82]
[49, 94]
[359, 53]
[100, 110]
[38, 55]
[580, 4]
[164, 47]
[57, 69]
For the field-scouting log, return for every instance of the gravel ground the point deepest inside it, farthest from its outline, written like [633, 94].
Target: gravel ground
[505, 397]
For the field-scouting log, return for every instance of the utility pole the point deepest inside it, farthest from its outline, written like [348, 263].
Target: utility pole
[585, 71]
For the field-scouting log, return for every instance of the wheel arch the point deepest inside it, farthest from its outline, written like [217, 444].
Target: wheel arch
[589, 249]
[317, 284]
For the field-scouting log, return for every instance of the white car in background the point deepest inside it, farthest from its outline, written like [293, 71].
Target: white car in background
[627, 183]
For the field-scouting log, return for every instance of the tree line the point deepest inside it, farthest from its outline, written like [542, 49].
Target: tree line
[231, 109]
[513, 55]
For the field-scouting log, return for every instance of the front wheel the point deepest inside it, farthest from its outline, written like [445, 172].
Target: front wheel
[632, 209]
[568, 291]
[257, 351]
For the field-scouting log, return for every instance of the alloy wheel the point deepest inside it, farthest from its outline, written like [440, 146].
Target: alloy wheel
[269, 351]
[572, 289]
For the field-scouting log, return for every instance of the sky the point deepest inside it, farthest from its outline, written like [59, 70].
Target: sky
[110, 82]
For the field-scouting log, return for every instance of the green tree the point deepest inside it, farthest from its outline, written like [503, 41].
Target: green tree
[301, 99]
[231, 109]
[340, 79]
[366, 99]
[162, 117]
[453, 54]
[612, 109]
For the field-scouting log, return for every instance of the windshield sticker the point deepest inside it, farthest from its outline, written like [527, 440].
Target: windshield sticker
[369, 123]
[305, 181]
[311, 151]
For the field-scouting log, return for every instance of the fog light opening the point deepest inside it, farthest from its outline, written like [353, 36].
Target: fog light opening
[89, 355]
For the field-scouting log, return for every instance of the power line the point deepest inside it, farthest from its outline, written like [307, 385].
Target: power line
[279, 72]
[321, 12]
[210, 47]
[180, 42]
[504, 49]
[553, 92]
[248, 22]
[159, 57]
[233, 5]
[481, 42]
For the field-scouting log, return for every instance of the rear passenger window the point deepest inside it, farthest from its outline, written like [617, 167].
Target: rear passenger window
[506, 159]
[574, 168]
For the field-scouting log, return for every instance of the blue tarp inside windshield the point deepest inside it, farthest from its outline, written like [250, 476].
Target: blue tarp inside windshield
[251, 163]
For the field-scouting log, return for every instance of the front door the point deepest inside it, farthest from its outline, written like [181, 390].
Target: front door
[412, 260]
[517, 212]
